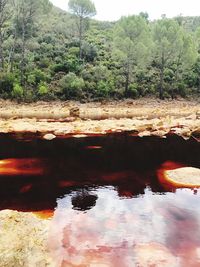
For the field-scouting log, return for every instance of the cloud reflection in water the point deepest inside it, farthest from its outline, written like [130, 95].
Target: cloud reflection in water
[151, 229]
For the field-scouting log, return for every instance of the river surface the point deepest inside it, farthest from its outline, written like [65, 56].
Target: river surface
[104, 199]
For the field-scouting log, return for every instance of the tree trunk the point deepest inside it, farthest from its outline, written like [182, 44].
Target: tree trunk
[127, 82]
[161, 95]
[1, 51]
[11, 59]
[80, 37]
[22, 65]
[161, 89]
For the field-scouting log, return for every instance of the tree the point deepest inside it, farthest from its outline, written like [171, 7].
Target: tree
[144, 15]
[173, 49]
[196, 68]
[4, 16]
[196, 75]
[50, 53]
[25, 17]
[132, 46]
[185, 58]
[82, 9]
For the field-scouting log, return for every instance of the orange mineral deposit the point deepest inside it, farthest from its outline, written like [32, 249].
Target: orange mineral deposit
[175, 175]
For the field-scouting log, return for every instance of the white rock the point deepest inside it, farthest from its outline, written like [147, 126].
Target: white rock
[184, 177]
[49, 137]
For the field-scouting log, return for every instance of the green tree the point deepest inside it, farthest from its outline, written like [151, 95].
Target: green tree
[184, 59]
[132, 46]
[173, 49]
[25, 17]
[144, 15]
[82, 9]
[197, 64]
[4, 17]
[48, 53]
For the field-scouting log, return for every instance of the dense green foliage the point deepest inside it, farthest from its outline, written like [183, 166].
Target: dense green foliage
[47, 53]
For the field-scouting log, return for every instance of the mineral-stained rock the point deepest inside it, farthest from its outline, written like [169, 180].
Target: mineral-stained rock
[23, 240]
[74, 112]
[183, 177]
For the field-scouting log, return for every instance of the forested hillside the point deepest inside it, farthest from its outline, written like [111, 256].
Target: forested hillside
[47, 54]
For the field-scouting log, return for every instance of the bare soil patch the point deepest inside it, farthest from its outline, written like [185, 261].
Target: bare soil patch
[144, 117]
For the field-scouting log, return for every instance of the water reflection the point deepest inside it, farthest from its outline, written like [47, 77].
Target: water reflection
[26, 166]
[111, 208]
[148, 230]
[83, 200]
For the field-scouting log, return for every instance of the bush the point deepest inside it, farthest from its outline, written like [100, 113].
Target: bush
[152, 89]
[37, 76]
[72, 86]
[133, 91]
[17, 92]
[89, 52]
[42, 89]
[74, 51]
[60, 67]
[181, 88]
[6, 83]
[168, 75]
[43, 62]
[29, 96]
[90, 87]
[69, 64]
[102, 89]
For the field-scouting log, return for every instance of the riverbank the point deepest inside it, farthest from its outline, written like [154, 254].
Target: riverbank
[143, 117]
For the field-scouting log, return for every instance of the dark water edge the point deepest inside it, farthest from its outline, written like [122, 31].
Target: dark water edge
[35, 172]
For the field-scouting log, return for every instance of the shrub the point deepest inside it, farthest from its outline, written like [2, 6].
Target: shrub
[72, 85]
[74, 51]
[69, 64]
[133, 90]
[102, 89]
[37, 76]
[17, 92]
[29, 96]
[181, 88]
[89, 52]
[42, 89]
[6, 83]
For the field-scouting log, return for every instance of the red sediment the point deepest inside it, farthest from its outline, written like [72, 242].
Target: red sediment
[45, 214]
[12, 167]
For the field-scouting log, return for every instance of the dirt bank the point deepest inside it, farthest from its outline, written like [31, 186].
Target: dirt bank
[143, 117]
